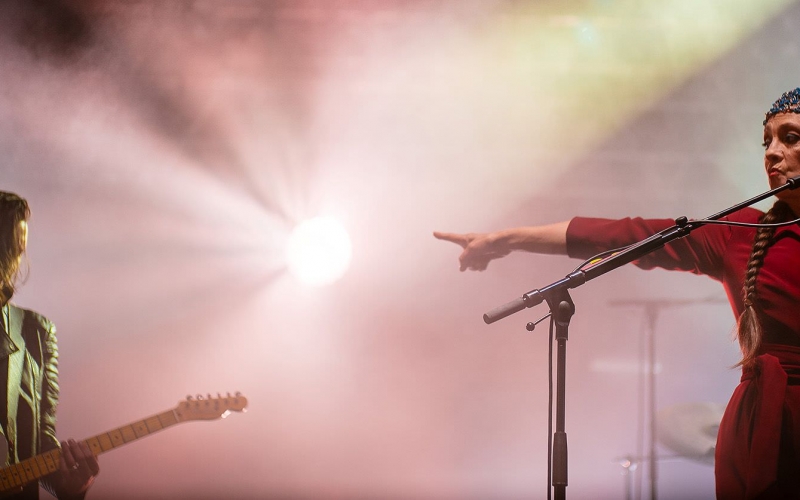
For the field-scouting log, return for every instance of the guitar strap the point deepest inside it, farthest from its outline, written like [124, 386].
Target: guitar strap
[5, 347]
[16, 360]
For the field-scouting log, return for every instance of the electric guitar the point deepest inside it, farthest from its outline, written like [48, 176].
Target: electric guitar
[15, 476]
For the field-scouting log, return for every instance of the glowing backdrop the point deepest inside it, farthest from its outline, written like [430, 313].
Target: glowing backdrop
[169, 148]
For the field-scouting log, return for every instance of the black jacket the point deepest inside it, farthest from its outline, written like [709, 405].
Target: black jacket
[29, 358]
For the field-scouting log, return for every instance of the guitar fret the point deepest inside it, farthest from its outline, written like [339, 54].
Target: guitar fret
[42, 464]
[35, 466]
[153, 424]
[4, 481]
[94, 445]
[105, 442]
[26, 466]
[128, 433]
[15, 480]
[167, 418]
[140, 428]
[116, 437]
[23, 476]
[48, 460]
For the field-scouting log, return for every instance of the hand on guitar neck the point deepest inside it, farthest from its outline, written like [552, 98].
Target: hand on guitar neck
[77, 469]
[69, 472]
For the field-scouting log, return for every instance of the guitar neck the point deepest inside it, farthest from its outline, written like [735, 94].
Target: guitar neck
[34, 468]
[131, 432]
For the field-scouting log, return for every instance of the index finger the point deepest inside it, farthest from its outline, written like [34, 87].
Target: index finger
[67, 461]
[459, 239]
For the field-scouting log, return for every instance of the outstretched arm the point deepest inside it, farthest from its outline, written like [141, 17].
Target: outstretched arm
[482, 248]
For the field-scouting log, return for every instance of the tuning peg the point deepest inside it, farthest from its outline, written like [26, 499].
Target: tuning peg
[189, 398]
[199, 397]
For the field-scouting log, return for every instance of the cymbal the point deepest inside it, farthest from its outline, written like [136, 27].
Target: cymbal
[690, 429]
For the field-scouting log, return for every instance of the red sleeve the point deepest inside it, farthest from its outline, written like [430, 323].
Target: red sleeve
[701, 252]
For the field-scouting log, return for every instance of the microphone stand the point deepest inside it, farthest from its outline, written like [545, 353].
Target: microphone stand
[562, 308]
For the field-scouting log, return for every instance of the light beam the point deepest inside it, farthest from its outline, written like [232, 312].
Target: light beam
[318, 251]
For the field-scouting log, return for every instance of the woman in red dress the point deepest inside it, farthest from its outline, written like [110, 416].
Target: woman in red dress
[758, 445]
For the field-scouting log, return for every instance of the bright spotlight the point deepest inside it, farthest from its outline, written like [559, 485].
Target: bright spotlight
[318, 252]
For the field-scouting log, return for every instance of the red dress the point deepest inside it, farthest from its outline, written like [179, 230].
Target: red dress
[758, 445]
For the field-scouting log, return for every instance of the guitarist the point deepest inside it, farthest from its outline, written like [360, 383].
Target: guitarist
[29, 374]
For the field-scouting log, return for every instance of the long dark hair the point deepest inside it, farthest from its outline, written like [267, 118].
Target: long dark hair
[13, 210]
[749, 326]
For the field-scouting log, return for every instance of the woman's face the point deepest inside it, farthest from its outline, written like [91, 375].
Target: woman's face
[782, 152]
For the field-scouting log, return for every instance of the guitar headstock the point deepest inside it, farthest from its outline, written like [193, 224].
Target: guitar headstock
[209, 408]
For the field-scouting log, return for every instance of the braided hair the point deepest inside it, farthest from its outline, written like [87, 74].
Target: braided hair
[13, 210]
[749, 326]
[749, 329]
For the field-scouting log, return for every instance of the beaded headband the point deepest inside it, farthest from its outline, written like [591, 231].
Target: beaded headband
[788, 102]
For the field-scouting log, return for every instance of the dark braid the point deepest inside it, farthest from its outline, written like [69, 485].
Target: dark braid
[749, 327]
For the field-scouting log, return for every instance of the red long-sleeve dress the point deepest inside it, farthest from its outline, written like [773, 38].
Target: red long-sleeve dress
[758, 445]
